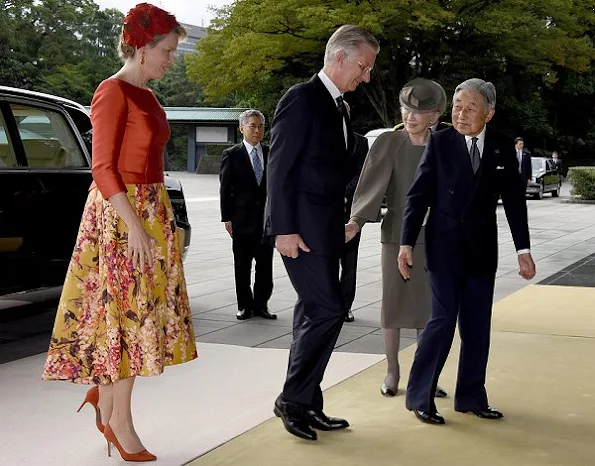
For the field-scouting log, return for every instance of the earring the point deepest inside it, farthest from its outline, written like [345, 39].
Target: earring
[142, 59]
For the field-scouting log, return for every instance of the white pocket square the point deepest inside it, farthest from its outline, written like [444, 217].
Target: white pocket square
[499, 167]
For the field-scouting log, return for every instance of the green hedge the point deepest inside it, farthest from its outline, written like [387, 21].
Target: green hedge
[583, 182]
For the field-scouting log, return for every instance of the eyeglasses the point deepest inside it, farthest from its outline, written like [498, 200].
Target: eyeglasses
[365, 69]
[253, 127]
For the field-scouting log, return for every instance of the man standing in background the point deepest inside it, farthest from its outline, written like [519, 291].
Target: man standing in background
[523, 157]
[243, 196]
[558, 164]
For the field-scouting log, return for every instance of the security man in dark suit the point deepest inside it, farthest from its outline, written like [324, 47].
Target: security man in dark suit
[461, 174]
[243, 197]
[524, 161]
[311, 142]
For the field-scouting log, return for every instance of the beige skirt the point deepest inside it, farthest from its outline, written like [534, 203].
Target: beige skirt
[404, 304]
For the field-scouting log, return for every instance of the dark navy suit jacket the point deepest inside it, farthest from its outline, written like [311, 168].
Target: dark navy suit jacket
[242, 198]
[308, 169]
[461, 231]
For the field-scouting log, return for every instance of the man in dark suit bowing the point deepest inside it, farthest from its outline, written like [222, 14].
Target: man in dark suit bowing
[461, 174]
[311, 143]
[243, 197]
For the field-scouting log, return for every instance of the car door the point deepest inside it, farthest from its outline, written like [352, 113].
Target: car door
[550, 176]
[59, 179]
[17, 212]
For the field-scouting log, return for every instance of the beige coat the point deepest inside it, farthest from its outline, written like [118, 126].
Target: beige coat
[388, 171]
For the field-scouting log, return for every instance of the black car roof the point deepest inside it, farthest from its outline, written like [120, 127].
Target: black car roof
[40, 95]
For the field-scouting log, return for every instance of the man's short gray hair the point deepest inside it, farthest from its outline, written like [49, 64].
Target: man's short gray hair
[349, 39]
[246, 115]
[486, 89]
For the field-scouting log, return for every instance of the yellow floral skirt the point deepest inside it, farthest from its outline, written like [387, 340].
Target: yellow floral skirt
[113, 321]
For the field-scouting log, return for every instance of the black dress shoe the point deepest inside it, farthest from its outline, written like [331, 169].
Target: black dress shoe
[349, 316]
[319, 420]
[244, 314]
[429, 418]
[440, 393]
[485, 413]
[388, 392]
[294, 420]
[265, 314]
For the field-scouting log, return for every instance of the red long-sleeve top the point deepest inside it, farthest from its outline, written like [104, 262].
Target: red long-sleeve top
[130, 131]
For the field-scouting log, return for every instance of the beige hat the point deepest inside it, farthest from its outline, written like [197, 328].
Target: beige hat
[423, 96]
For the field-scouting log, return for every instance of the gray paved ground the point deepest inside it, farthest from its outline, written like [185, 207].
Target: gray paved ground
[563, 238]
[561, 233]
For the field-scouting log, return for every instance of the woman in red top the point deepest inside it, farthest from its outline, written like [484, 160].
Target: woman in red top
[124, 309]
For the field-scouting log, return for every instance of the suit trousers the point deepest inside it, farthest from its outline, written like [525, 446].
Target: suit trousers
[470, 299]
[349, 270]
[317, 320]
[248, 248]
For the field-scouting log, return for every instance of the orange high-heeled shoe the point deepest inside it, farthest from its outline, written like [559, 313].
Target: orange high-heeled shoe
[92, 397]
[136, 457]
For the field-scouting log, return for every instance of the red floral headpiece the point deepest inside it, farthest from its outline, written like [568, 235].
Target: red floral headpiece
[144, 22]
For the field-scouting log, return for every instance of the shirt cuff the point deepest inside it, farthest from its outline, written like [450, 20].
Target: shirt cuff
[524, 251]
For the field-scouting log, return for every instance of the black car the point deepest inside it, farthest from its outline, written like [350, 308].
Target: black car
[45, 174]
[545, 178]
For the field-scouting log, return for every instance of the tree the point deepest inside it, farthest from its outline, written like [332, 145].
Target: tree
[520, 45]
[56, 46]
[15, 66]
[176, 89]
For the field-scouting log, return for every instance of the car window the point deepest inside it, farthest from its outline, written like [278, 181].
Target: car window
[537, 164]
[82, 120]
[7, 157]
[47, 138]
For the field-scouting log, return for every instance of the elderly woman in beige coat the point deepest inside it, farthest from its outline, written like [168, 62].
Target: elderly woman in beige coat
[388, 172]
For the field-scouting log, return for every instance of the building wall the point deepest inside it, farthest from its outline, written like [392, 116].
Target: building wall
[195, 33]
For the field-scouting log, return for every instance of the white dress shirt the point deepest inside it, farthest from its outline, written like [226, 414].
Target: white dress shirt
[249, 148]
[519, 156]
[481, 139]
[334, 92]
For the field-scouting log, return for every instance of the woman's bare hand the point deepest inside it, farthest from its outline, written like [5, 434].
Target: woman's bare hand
[140, 248]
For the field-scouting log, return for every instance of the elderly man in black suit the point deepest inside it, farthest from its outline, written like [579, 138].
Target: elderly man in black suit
[311, 142]
[243, 197]
[461, 174]
[524, 161]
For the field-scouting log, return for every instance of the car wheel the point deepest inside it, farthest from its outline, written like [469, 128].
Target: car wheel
[556, 193]
[539, 194]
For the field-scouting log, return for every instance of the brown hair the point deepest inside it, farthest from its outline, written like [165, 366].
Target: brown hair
[126, 51]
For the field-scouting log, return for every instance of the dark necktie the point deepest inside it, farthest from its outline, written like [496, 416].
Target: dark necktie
[343, 111]
[258, 169]
[475, 157]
